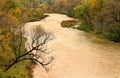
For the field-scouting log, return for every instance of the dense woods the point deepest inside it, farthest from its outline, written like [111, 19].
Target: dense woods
[100, 16]
[65, 6]
[13, 14]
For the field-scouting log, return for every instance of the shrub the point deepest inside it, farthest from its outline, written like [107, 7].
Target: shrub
[84, 28]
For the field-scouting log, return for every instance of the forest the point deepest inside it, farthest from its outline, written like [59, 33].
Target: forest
[96, 16]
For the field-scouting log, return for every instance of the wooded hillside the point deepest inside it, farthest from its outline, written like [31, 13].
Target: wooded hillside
[100, 16]
[13, 14]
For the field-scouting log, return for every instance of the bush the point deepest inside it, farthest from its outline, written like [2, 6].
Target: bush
[112, 36]
[84, 28]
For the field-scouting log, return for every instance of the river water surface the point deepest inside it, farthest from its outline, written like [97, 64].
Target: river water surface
[76, 54]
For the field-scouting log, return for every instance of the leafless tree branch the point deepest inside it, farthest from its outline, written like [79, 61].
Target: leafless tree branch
[36, 48]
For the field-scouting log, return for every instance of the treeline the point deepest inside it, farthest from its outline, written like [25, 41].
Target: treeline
[64, 6]
[60, 6]
[100, 16]
[13, 13]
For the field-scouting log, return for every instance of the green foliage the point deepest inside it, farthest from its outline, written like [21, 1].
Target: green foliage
[84, 28]
[36, 14]
[50, 2]
[63, 6]
[81, 11]
[43, 7]
[14, 72]
[41, 1]
[9, 39]
[13, 4]
[13, 10]
[103, 16]
[113, 34]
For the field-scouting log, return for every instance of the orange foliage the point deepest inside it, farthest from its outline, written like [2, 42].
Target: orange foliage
[9, 20]
[15, 12]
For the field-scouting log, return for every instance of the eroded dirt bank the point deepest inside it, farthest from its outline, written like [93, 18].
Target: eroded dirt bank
[77, 56]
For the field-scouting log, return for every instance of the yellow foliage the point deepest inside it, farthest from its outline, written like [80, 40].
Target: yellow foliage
[2, 2]
[96, 6]
[65, 2]
[0, 30]
[1, 13]
[9, 20]
[43, 7]
[15, 12]
[40, 12]
[1, 37]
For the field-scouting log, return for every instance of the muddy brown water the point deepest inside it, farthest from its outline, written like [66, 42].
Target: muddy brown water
[76, 54]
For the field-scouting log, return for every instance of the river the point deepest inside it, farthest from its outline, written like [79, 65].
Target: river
[76, 54]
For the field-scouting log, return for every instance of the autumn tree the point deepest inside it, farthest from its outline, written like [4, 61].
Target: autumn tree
[103, 16]
[36, 48]
[12, 14]
[65, 6]
[82, 12]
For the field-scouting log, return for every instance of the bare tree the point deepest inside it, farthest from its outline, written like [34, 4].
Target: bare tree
[36, 49]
